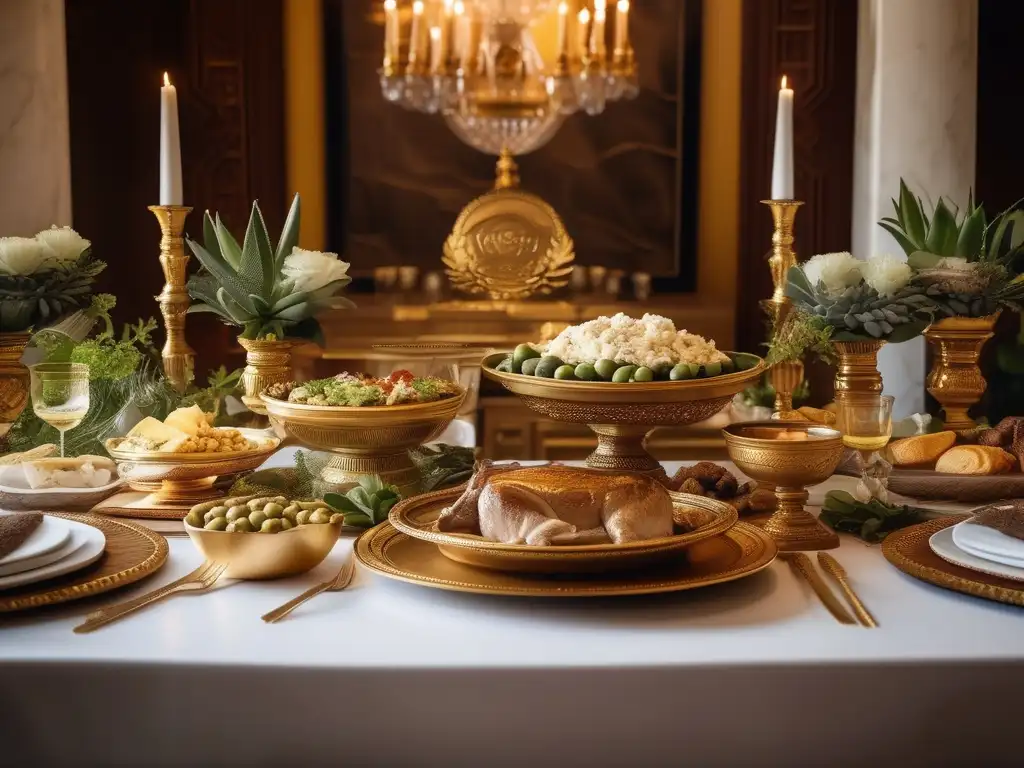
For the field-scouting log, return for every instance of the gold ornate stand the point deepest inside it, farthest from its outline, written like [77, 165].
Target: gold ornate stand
[784, 377]
[267, 362]
[794, 528]
[857, 371]
[955, 379]
[177, 354]
[13, 379]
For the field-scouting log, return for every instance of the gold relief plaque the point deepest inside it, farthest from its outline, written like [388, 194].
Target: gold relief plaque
[508, 243]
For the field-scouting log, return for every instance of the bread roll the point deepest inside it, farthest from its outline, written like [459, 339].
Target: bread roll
[819, 415]
[921, 449]
[975, 460]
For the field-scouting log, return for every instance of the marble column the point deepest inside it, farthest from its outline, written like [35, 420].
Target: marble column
[917, 68]
[35, 162]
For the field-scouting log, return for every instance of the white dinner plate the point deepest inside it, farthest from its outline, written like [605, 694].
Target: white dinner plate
[38, 562]
[52, 534]
[989, 544]
[88, 543]
[942, 544]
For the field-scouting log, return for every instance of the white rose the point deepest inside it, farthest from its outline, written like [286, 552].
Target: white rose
[64, 244]
[886, 274]
[955, 263]
[838, 271]
[21, 255]
[312, 270]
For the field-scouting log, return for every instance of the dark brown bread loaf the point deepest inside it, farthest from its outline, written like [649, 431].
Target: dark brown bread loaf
[14, 529]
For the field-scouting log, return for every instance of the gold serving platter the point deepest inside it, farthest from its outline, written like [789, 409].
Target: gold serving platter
[909, 551]
[371, 440]
[700, 516]
[185, 479]
[623, 414]
[741, 551]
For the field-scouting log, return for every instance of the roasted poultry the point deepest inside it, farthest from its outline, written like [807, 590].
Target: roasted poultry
[551, 505]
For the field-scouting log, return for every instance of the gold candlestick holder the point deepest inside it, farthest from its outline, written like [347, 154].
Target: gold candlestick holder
[178, 356]
[785, 377]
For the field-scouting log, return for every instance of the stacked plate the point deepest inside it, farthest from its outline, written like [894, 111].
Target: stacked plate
[980, 548]
[55, 548]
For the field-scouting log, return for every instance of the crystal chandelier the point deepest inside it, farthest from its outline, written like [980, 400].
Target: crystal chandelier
[478, 63]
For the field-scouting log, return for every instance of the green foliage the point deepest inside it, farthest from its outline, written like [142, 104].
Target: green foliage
[871, 521]
[42, 298]
[245, 286]
[367, 504]
[940, 235]
[763, 394]
[220, 384]
[444, 465]
[799, 334]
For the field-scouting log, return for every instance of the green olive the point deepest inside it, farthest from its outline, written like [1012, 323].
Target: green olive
[236, 512]
[211, 513]
[290, 513]
[680, 373]
[303, 516]
[643, 373]
[547, 366]
[337, 517]
[195, 519]
[694, 370]
[623, 374]
[320, 516]
[585, 372]
[286, 524]
[522, 353]
[505, 366]
[217, 524]
[712, 369]
[728, 366]
[241, 525]
[273, 510]
[273, 525]
[257, 518]
[605, 369]
[565, 372]
[530, 366]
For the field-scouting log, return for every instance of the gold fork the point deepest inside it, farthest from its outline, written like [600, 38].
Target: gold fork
[202, 578]
[338, 583]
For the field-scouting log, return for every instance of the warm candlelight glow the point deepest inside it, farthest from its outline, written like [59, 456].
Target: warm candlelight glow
[623, 6]
[390, 5]
[448, 7]
[435, 34]
[599, 15]
[600, 5]
[417, 8]
[584, 16]
[783, 81]
[563, 8]
[459, 8]
[167, 80]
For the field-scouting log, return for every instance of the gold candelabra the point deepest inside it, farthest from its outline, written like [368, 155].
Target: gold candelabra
[786, 376]
[178, 356]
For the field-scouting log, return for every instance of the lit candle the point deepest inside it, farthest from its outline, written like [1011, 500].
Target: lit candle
[461, 31]
[597, 47]
[563, 28]
[782, 164]
[416, 35]
[447, 32]
[170, 146]
[435, 49]
[622, 26]
[584, 23]
[390, 33]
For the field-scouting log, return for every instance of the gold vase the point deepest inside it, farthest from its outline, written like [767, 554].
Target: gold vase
[857, 370]
[267, 362]
[785, 378]
[955, 379]
[13, 379]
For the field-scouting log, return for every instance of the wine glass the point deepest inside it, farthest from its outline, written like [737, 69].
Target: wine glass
[866, 424]
[60, 395]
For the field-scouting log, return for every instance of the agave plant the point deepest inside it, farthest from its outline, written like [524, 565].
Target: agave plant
[965, 264]
[269, 292]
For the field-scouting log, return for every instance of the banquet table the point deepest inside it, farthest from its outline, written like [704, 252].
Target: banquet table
[755, 672]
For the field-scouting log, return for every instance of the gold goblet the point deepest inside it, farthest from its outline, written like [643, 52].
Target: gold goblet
[790, 456]
[865, 421]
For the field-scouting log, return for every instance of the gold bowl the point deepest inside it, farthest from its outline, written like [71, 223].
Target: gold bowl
[790, 465]
[700, 517]
[267, 555]
[365, 440]
[187, 478]
[623, 414]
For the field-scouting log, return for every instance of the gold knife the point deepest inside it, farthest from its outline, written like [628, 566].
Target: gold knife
[803, 566]
[832, 567]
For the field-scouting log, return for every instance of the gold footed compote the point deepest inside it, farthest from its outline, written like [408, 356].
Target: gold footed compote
[790, 456]
[866, 425]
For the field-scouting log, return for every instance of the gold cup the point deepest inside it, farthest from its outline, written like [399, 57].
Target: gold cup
[955, 379]
[762, 452]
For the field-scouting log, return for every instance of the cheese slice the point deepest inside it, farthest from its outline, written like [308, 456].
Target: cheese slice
[155, 431]
[188, 420]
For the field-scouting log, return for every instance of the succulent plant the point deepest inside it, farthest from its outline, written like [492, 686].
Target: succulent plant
[42, 298]
[859, 312]
[252, 287]
[941, 234]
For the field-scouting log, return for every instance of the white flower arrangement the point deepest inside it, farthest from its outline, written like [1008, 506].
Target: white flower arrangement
[886, 274]
[48, 249]
[836, 271]
[312, 270]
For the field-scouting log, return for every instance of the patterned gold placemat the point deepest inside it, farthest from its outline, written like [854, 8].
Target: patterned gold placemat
[132, 552]
[909, 551]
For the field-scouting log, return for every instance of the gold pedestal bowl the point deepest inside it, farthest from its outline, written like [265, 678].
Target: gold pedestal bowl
[185, 479]
[789, 456]
[367, 440]
[622, 415]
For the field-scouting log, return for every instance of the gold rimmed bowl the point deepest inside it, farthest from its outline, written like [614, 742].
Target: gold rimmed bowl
[365, 440]
[622, 415]
[789, 455]
[267, 555]
[187, 478]
[696, 518]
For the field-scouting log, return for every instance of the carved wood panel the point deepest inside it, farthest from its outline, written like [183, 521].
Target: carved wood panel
[814, 43]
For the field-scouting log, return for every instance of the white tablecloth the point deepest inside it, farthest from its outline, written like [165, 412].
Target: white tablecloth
[755, 672]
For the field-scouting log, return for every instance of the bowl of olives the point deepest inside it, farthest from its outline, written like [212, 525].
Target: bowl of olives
[263, 537]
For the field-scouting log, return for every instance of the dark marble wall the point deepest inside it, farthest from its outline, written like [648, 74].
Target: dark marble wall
[397, 179]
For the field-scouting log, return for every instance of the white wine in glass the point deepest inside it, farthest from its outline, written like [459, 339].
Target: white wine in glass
[60, 395]
[866, 423]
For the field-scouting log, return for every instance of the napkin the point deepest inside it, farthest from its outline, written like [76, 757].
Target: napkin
[996, 534]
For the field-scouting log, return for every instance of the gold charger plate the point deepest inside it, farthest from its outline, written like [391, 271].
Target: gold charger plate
[740, 551]
[703, 517]
[132, 552]
[909, 551]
